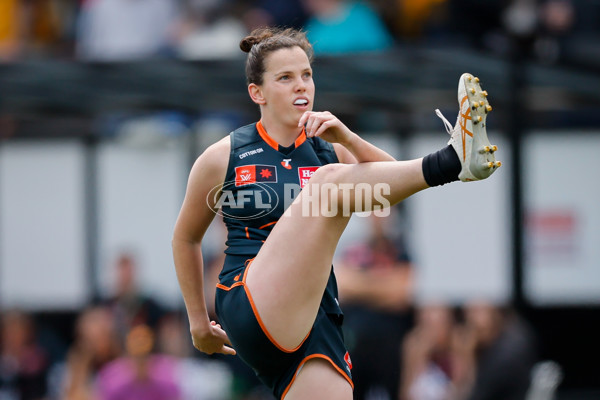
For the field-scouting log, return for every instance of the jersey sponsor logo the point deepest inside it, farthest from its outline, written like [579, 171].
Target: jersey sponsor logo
[348, 360]
[286, 163]
[304, 174]
[251, 153]
[247, 174]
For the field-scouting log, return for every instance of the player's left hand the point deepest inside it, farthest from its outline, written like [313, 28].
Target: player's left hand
[212, 340]
[325, 125]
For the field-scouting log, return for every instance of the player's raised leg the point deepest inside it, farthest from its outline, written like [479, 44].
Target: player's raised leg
[292, 268]
[288, 276]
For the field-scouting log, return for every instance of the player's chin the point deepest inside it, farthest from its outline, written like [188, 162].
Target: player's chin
[298, 113]
[302, 109]
[295, 114]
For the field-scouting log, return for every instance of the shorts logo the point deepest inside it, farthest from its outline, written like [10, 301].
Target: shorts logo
[248, 174]
[304, 174]
[348, 360]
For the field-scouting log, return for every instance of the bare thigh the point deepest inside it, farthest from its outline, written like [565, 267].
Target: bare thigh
[318, 380]
[289, 275]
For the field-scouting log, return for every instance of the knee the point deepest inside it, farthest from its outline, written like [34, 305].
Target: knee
[330, 173]
[324, 189]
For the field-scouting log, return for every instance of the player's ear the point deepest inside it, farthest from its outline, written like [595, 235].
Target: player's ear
[256, 94]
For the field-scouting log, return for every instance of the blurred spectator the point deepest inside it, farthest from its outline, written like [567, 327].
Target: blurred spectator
[416, 18]
[539, 28]
[95, 345]
[520, 19]
[28, 27]
[375, 285]
[260, 13]
[494, 353]
[209, 30]
[477, 23]
[427, 355]
[337, 27]
[140, 374]
[128, 304]
[557, 19]
[12, 20]
[125, 30]
[23, 363]
[8, 126]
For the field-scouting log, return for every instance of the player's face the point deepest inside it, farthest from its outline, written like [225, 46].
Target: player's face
[288, 86]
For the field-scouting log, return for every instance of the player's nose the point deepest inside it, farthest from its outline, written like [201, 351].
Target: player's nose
[300, 85]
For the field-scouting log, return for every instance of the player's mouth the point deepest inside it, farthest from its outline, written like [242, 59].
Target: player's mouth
[301, 102]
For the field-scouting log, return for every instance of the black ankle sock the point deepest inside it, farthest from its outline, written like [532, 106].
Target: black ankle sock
[441, 167]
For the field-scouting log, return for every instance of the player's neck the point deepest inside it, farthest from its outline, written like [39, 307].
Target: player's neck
[283, 134]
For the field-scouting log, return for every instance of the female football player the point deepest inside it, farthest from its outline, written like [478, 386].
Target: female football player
[276, 296]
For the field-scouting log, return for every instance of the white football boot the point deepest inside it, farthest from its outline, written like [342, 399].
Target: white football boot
[468, 137]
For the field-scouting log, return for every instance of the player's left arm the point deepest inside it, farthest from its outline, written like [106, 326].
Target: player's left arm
[349, 147]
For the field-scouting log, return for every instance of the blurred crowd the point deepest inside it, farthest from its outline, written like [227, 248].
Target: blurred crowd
[123, 30]
[406, 347]
[128, 346]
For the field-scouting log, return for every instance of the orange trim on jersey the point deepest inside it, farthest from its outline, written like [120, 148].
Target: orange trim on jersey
[324, 357]
[228, 288]
[269, 224]
[247, 233]
[255, 311]
[236, 278]
[272, 142]
[265, 136]
[300, 139]
[259, 319]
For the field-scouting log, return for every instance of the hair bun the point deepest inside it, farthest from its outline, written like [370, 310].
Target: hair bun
[247, 43]
[255, 37]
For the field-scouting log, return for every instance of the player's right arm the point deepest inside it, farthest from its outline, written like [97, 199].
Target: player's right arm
[195, 216]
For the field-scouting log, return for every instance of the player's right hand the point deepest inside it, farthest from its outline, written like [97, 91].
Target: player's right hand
[212, 340]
